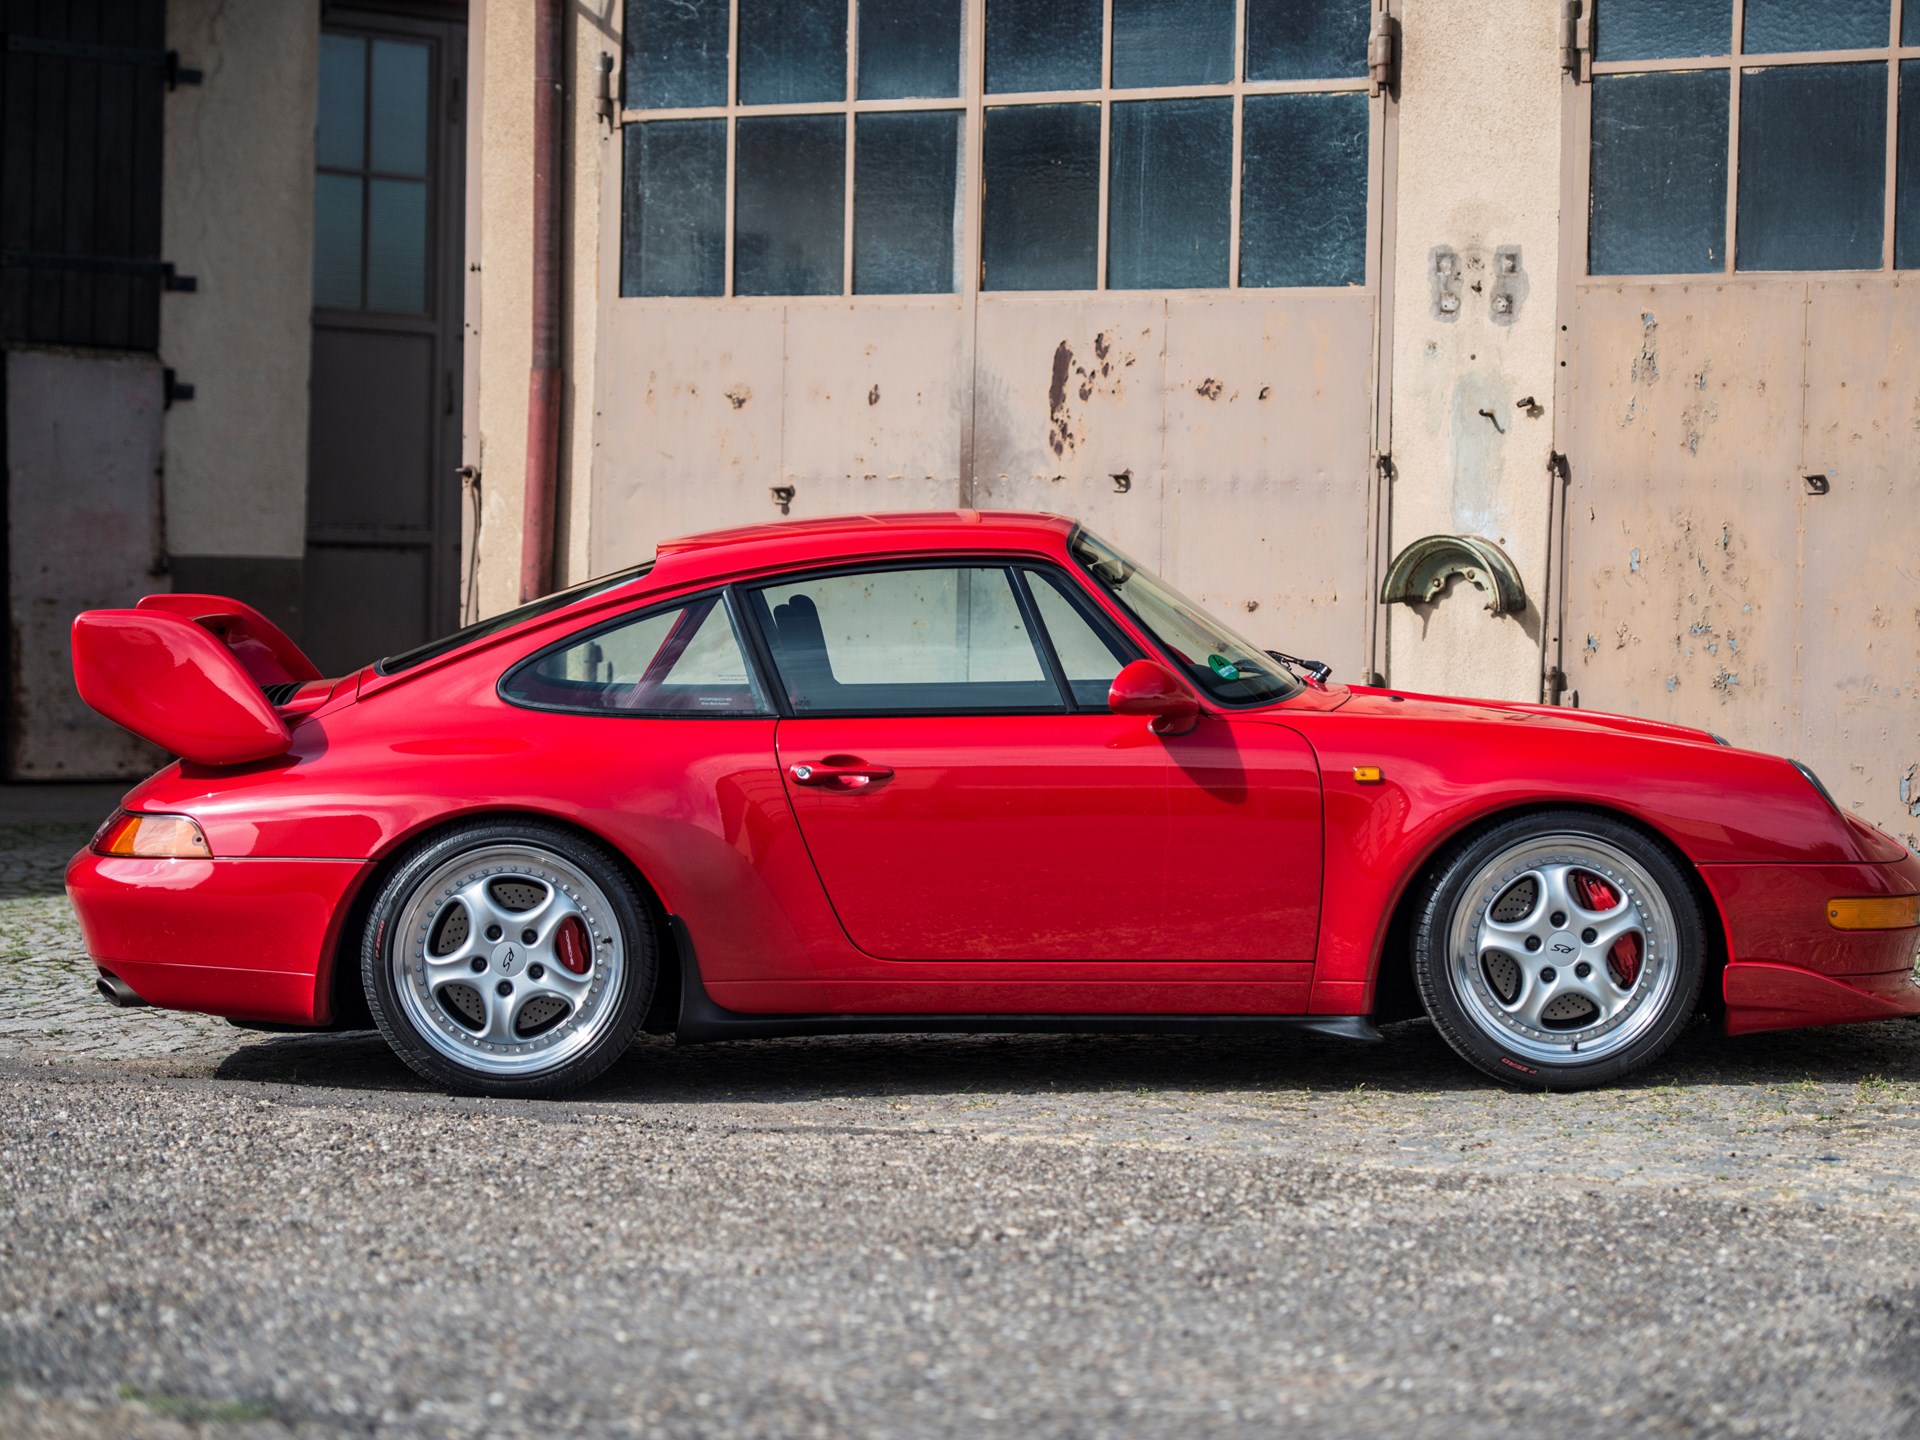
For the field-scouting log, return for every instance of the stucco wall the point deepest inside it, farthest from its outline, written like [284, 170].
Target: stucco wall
[497, 443]
[238, 216]
[1479, 169]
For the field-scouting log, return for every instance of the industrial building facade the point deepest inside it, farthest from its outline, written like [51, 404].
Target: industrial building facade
[1502, 347]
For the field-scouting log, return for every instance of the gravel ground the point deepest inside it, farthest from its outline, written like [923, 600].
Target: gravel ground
[213, 1233]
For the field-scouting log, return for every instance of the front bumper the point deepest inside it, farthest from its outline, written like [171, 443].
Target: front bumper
[1788, 968]
[247, 939]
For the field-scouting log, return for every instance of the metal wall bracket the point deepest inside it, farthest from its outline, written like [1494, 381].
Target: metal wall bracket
[173, 389]
[1420, 572]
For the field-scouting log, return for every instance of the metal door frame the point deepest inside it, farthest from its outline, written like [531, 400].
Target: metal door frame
[1576, 192]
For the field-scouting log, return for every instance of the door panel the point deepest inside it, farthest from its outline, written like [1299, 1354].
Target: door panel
[1063, 837]
[1712, 582]
[383, 428]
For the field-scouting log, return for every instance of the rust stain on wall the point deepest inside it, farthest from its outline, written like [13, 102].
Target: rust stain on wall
[739, 395]
[1071, 381]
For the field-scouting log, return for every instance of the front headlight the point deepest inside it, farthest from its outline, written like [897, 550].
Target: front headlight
[1814, 780]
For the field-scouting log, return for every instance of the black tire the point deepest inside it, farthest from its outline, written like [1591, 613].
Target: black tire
[1489, 976]
[583, 885]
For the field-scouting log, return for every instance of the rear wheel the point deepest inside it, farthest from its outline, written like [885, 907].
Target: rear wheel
[509, 958]
[1561, 950]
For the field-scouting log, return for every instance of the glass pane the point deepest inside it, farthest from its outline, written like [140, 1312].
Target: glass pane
[1303, 199]
[1813, 181]
[923, 640]
[1662, 29]
[1088, 657]
[1172, 42]
[1307, 39]
[1167, 225]
[905, 180]
[336, 241]
[1659, 174]
[1774, 26]
[909, 49]
[1043, 45]
[676, 53]
[1040, 221]
[339, 139]
[1910, 24]
[680, 662]
[792, 52]
[673, 222]
[399, 108]
[1906, 233]
[789, 217]
[397, 245]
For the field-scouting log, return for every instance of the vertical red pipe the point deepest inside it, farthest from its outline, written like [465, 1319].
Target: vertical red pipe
[543, 389]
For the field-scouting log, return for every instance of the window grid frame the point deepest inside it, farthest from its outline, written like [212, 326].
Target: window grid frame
[365, 175]
[1735, 63]
[971, 104]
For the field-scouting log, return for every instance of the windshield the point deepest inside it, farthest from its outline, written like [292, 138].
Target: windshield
[480, 629]
[1232, 670]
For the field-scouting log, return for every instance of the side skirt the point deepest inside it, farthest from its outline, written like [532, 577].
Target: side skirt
[702, 1019]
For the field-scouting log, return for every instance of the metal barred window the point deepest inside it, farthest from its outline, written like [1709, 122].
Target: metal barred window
[835, 147]
[1754, 135]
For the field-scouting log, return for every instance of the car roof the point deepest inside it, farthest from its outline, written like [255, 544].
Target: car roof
[748, 548]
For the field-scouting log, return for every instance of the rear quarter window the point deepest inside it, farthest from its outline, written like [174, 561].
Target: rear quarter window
[685, 660]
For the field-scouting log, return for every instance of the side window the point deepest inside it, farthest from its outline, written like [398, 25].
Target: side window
[930, 641]
[1090, 654]
[684, 661]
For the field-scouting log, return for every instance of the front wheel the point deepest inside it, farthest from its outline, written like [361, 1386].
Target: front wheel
[509, 958]
[1560, 950]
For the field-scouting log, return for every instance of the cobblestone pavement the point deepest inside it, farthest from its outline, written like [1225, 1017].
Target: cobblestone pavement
[213, 1233]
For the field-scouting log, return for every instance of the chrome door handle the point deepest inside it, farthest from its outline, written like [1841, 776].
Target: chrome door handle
[852, 776]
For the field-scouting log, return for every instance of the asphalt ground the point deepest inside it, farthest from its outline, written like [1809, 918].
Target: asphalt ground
[207, 1232]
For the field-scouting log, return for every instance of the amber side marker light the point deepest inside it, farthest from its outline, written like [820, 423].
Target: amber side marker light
[1367, 774]
[152, 837]
[1878, 912]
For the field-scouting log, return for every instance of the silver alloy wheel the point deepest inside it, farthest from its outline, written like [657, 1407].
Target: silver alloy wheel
[1539, 958]
[478, 990]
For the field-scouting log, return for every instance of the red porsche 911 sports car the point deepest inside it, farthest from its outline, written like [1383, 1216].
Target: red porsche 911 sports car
[939, 772]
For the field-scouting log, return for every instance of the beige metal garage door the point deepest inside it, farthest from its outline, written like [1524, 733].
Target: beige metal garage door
[1743, 541]
[1115, 258]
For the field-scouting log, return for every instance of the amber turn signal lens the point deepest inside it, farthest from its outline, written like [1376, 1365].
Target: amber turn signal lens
[1878, 912]
[152, 837]
[1367, 774]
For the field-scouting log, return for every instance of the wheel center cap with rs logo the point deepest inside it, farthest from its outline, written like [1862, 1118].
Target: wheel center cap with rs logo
[1562, 944]
[509, 958]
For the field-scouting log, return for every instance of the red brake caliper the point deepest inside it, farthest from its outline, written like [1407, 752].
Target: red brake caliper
[571, 945]
[1624, 957]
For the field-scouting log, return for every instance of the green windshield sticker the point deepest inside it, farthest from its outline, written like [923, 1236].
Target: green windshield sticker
[1224, 667]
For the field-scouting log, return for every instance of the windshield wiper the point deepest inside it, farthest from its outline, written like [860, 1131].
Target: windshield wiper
[1318, 669]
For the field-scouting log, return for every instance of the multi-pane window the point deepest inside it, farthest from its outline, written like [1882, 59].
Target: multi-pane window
[821, 147]
[1807, 114]
[371, 215]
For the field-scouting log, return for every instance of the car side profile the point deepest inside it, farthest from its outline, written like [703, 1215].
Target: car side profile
[955, 771]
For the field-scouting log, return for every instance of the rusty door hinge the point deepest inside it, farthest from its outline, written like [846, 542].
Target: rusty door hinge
[1576, 41]
[1383, 54]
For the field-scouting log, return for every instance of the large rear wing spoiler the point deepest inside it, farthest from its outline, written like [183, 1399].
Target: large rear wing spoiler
[191, 673]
